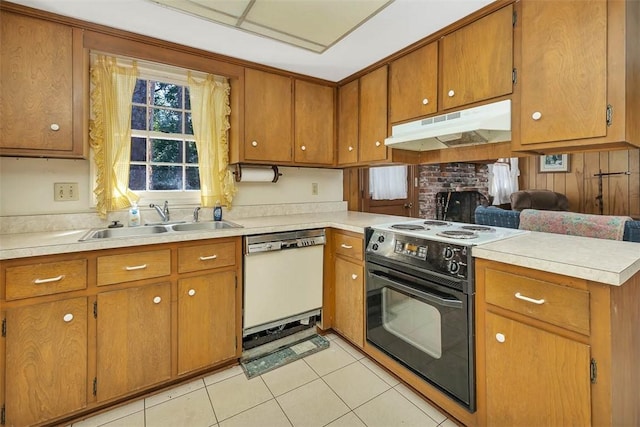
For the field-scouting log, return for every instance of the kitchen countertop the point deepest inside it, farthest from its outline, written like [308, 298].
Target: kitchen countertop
[21, 245]
[606, 261]
[599, 260]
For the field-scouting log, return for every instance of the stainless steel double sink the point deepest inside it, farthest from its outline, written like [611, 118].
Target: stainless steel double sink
[150, 230]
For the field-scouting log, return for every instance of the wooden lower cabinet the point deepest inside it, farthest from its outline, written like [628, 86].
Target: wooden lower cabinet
[46, 361]
[206, 320]
[555, 350]
[349, 297]
[133, 339]
[534, 377]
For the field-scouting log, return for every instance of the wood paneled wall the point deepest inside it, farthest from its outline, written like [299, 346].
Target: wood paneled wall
[620, 193]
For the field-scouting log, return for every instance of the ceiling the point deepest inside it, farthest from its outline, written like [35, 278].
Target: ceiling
[327, 39]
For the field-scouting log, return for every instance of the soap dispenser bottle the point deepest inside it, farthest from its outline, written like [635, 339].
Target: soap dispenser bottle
[134, 215]
[217, 211]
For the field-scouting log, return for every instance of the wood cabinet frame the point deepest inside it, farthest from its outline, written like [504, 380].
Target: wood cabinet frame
[91, 291]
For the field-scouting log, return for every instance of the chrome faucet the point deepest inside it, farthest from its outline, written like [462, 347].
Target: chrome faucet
[162, 211]
[195, 214]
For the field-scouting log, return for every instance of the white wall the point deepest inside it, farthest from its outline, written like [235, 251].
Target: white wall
[26, 186]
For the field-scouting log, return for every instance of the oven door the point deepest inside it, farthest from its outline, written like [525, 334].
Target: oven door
[425, 326]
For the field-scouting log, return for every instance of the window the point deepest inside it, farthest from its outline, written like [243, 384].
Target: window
[163, 149]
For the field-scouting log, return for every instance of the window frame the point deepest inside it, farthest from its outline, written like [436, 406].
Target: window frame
[149, 70]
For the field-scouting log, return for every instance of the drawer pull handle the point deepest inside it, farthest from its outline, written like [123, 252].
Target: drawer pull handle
[345, 246]
[67, 317]
[157, 300]
[354, 276]
[136, 267]
[500, 337]
[49, 280]
[207, 258]
[191, 292]
[527, 299]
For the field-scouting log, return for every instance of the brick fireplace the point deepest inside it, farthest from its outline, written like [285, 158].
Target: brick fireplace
[466, 178]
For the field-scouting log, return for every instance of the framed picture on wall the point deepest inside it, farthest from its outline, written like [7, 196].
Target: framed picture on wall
[554, 163]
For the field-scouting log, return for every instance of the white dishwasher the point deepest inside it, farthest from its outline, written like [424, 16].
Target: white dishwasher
[282, 278]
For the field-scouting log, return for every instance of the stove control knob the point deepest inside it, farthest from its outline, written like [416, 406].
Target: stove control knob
[374, 247]
[454, 267]
[448, 253]
[381, 239]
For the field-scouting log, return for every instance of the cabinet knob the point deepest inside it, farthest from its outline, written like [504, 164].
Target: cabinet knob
[500, 337]
[536, 115]
[207, 258]
[451, 93]
[157, 300]
[55, 127]
[254, 143]
[425, 101]
[377, 143]
[191, 292]
[67, 317]
[345, 246]
[303, 148]
[354, 276]
[350, 148]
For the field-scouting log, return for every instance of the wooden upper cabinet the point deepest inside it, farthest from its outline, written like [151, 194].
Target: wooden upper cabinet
[477, 60]
[348, 123]
[413, 84]
[42, 75]
[563, 75]
[373, 116]
[268, 117]
[314, 118]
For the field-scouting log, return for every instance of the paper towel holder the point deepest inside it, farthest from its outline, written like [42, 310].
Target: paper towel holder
[239, 167]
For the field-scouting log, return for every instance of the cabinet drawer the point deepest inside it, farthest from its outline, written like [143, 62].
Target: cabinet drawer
[136, 266]
[44, 279]
[204, 257]
[347, 245]
[552, 303]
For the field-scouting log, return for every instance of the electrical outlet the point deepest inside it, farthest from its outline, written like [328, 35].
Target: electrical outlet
[65, 191]
[314, 188]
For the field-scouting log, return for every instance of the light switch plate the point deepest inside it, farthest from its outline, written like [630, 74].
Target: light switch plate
[65, 191]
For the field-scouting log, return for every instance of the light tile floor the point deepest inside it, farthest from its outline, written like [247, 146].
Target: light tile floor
[336, 387]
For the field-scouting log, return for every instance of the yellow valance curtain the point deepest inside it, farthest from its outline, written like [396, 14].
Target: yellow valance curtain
[210, 112]
[110, 132]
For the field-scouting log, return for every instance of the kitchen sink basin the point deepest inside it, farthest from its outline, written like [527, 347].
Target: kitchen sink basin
[107, 233]
[208, 225]
[150, 230]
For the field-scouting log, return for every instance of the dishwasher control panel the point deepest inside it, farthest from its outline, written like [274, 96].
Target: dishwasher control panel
[285, 240]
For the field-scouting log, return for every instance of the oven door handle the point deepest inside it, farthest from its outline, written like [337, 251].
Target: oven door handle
[422, 294]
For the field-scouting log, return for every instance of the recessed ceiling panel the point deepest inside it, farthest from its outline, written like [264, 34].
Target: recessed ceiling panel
[310, 24]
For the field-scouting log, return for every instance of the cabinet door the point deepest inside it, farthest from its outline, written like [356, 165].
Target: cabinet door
[413, 84]
[37, 88]
[268, 117]
[46, 361]
[373, 115]
[349, 289]
[348, 123]
[206, 320]
[564, 70]
[133, 339]
[314, 123]
[534, 377]
[477, 60]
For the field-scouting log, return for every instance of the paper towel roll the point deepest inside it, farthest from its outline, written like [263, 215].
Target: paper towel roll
[257, 174]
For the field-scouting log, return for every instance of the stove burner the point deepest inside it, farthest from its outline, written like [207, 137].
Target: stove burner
[407, 227]
[457, 234]
[435, 222]
[477, 228]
